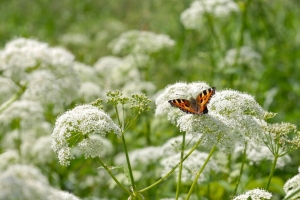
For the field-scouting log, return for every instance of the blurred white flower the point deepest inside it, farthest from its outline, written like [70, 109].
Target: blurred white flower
[48, 71]
[22, 114]
[74, 39]
[144, 156]
[190, 166]
[140, 42]
[86, 73]
[7, 158]
[255, 194]
[40, 151]
[258, 154]
[292, 185]
[191, 18]
[244, 56]
[77, 126]
[90, 91]
[104, 65]
[8, 89]
[123, 74]
[27, 182]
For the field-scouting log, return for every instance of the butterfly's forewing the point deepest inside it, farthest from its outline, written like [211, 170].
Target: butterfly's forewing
[203, 99]
[184, 105]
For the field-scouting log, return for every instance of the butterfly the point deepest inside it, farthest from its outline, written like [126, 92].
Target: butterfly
[195, 106]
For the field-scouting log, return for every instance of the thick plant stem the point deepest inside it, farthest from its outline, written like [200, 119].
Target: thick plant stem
[272, 171]
[173, 169]
[200, 171]
[128, 163]
[113, 177]
[241, 171]
[180, 167]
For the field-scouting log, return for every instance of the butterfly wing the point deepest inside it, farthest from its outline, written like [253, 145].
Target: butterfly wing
[184, 105]
[203, 99]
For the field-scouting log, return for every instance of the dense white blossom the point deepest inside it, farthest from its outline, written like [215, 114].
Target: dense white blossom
[90, 91]
[140, 42]
[190, 166]
[25, 113]
[233, 117]
[8, 89]
[27, 182]
[86, 73]
[7, 158]
[192, 18]
[255, 194]
[124, 74]
[48, 71]
[293, 185]
[78, 126]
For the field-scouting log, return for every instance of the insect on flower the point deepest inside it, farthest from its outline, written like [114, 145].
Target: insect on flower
[195, 106]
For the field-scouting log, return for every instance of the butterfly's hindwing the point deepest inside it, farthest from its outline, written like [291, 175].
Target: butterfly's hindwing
[195, 106]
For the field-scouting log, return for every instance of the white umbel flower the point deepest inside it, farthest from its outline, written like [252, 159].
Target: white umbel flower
[79, 126]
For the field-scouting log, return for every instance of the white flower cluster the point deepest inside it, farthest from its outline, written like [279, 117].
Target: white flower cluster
[191, 18]
[7, 89]
[233, 117]
[255, 194]
[27, 182]
[91, 87]
[140, 42]
[123, 74]
[78, 126]
[244, 56]
[25, 113]
[48, 72]
[293, 185]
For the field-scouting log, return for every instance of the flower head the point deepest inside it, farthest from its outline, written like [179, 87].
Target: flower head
[26, 113]
[192, 17]
[281, 138]
[255, 194]
[47, 71]
[140, 42]
[293, 185]
[78, 126]
[232, 116]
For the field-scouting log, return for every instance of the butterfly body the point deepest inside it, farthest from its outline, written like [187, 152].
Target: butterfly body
[194, 106]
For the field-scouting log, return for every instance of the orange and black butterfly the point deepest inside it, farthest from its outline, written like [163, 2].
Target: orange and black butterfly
[195, 106]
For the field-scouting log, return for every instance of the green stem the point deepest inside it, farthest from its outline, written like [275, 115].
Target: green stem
[173, 169]
[180, 167]
[115, 179]
[128, 163]
[272, 171]
[200, 171]
[241, 171]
